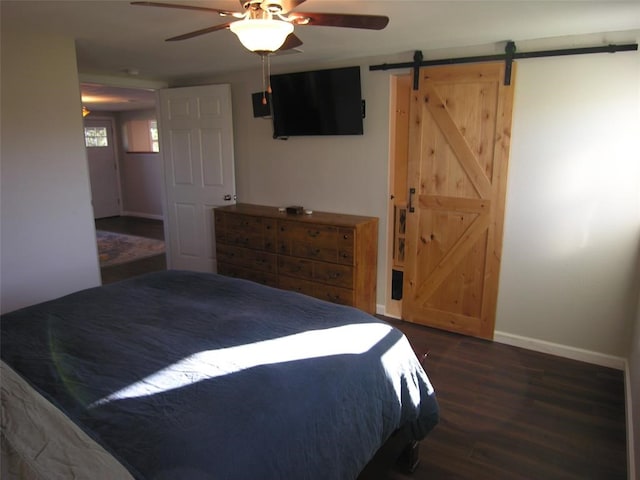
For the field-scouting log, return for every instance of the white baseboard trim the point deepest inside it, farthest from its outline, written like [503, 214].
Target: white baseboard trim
[631, 458]
[143, 215]
[565, 351]
[551, 348]
[381, 310]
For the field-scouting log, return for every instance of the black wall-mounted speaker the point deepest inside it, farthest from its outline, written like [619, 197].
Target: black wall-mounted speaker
[260, 109]
[396, 284]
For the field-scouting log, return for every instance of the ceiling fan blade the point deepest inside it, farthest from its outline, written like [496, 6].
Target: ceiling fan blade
[183, 7]
[292, 41]
[288, 5]
[197, 33]
[370, 22]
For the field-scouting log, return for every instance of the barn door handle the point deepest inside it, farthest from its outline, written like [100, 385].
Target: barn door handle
[412, 192]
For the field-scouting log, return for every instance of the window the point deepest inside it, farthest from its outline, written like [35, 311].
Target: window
[153, 129]
[142, 136]
[95, 137]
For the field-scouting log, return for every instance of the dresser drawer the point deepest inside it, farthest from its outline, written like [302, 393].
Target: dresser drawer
[332, 294]
[257, 276]
[333, 274]
[247, 231]
[270, 234]
[244, 257]
[346, 245]
[296, 285]
[328, 273]
[295, 267]
[318, 242]
[342, 296]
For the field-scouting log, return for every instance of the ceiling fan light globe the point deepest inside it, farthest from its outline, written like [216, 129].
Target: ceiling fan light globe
[261, 35]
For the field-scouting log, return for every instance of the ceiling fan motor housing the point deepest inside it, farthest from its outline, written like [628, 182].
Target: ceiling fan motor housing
[272, 6]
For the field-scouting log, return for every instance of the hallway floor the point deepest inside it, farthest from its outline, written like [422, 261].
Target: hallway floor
[141, 227]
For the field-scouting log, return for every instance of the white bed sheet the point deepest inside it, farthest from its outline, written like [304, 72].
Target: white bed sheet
[40, 443]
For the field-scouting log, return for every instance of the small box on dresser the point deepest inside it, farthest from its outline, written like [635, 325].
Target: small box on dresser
[331, 256]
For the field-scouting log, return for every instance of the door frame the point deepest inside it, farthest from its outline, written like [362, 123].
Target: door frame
[400, 86]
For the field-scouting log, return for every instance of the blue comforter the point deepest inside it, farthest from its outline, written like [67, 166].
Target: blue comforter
[188, 375]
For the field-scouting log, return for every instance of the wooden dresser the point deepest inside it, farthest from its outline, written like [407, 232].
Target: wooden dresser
[330, 256]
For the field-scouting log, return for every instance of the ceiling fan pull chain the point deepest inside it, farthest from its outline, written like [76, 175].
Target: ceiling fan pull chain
[266, 77]
[269, 74]
[264, 81]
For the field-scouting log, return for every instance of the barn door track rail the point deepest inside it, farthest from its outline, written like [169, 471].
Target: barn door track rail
[508, 56]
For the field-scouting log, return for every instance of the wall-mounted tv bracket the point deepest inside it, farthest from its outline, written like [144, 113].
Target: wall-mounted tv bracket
[509, 56]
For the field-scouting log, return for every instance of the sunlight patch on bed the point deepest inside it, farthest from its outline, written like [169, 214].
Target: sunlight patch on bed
[407, 387]
[344, 340]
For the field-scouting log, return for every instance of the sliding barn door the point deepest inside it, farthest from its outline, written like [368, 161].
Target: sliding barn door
[460, 124]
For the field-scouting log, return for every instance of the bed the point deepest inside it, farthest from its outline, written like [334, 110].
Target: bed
[188, 375]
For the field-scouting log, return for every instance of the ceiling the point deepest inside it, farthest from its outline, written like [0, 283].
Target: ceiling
[118, 40]
[98, 97]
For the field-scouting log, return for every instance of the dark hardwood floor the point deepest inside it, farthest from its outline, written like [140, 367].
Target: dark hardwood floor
[141, 227]
[511, 413]
[506, 413]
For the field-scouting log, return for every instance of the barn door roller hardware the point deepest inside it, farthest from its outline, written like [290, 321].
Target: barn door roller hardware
[508, 56]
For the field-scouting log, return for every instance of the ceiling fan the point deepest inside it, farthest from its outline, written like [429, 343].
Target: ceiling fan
[266, 26]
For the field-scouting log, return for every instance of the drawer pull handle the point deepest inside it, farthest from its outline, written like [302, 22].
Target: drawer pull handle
[313, 234]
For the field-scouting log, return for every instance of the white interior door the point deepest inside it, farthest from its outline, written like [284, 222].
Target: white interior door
[103, 167]
[196, 136]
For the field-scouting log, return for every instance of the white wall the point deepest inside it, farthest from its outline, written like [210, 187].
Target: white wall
[572, 227]
[141, 180]
[47, 238]
[141, 175]
[633, 393]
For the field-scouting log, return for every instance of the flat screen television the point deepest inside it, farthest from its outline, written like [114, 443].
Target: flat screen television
[320, 102]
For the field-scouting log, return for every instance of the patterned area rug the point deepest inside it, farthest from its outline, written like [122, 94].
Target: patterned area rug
[117, 248]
